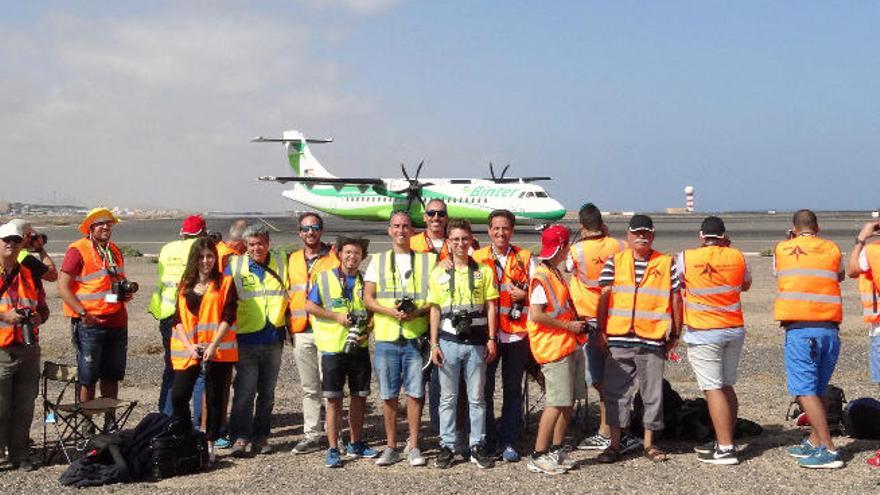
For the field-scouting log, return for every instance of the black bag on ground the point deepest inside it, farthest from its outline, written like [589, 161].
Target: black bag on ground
[101, 464]
[861, 419]
[179, 449]
[672, 403]
[834, 399]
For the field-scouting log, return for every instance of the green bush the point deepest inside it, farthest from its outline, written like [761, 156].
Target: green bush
[130, 252]
[767, 253]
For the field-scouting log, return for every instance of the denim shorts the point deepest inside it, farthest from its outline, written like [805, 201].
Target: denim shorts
[595, 359]
[339, 367]
[399, 363]
[100, 353]
[810, 357]
[874, 359]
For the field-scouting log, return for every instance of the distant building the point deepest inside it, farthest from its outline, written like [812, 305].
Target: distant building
[4, 207]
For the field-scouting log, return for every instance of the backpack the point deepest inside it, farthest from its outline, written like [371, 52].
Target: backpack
[834, 398]
[861, 419]
[672, 404]
[178, 450]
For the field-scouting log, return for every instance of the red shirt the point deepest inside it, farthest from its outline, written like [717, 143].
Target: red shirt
[73, 265]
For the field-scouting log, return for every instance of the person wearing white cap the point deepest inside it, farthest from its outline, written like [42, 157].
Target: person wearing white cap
[19, 347]
[92, 285]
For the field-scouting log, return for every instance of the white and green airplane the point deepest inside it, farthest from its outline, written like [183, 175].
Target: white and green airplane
[376, 198]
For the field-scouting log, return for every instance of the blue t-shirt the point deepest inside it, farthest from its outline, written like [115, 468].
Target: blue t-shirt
[347, 288]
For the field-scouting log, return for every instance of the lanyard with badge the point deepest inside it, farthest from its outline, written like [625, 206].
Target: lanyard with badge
[499, 269]
[108, 264]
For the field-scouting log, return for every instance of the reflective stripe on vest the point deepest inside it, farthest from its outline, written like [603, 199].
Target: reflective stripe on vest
[516, 268]
[642, 310]
[27, 297]
[388, 291]
[170, 267]
[93, 283]
[713, 278]
[807, 280]
[589, 256]
[550, 343]
[300, 279]
[329, 335]
[201, 328]
[260, 301]
[869, 286]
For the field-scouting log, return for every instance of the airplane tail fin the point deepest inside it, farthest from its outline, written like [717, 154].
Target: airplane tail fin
[300, 157]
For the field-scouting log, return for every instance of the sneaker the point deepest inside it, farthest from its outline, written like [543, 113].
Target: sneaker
[360, 449]
[718, 456]
[305, 446]
[223, 442]
[414, 456]
[545, 464]
[262, 447]
[333, 459]
[445, 458]
[563, 457]
[241, 448]
[804, 450]
[595, 442]
[510, 454]
[875, 460]
[25, 464]
[480, 456]
[389, 456]
[609, 456]
[629, 443]
[822, 458]
[706, 448]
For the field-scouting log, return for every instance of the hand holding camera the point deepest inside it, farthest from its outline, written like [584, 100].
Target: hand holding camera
[868, 230]
[356, 323]
[576, 326]
[406, 308]
[124, 289]
[28, 332]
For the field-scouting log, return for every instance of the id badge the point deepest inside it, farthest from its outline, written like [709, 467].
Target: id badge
[111, 298]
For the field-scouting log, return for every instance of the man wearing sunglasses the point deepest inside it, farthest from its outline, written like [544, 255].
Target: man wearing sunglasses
[315, 257]
[34, 256]
[433, 239]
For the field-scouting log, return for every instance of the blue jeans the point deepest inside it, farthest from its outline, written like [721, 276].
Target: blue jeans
[508, 429]
[256, 374]
[469, 360]
[165, 406]
[101, 353]
[399, 363]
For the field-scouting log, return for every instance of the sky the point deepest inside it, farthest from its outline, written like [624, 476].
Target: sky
[758, 105]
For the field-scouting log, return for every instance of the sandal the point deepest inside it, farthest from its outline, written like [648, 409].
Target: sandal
[655, 454]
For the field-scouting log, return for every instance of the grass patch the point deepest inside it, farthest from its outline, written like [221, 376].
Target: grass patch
[130, 252]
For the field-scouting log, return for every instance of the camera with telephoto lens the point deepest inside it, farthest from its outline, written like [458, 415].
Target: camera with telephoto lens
[124, 287]
[357, 321]
[28, 334]
[405, 304]
[461, 321]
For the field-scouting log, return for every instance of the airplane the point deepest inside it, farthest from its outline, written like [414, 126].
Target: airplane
[374, 199]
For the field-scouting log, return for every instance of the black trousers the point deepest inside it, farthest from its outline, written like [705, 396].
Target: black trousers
[217, 375]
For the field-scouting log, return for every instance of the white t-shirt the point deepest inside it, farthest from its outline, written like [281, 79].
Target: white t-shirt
[437, 243]
[403, 268]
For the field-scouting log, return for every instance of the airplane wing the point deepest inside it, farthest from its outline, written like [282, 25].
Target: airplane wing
[509, 180]
[330, 181]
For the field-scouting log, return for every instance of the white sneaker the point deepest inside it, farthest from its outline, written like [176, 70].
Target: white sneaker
[414, 456]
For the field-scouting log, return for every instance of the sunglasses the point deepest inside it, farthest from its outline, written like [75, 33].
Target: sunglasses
[313, 228]
[12, 239]
[436, 213]
[99, 224]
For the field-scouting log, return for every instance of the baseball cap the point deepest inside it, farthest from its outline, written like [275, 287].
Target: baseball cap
[11, 229]
[192, 225]
[554, 238]
[641, 222]
[712, 227]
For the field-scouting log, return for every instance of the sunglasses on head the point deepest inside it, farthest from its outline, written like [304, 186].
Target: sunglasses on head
[313, 228]
[436, 213]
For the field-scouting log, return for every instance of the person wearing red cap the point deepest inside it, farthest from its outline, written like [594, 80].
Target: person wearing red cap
[163, 302]
[555, 339]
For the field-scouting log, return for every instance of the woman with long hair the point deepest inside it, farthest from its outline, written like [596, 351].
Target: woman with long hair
[204, 335]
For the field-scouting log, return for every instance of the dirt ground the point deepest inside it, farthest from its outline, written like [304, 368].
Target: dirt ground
[765, 465]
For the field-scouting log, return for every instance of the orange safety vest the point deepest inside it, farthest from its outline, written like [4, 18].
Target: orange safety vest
[224, 251]
[807, 283]
[589, 255]
[713, 277]
[94, 282]
[549, 344]
[421, 244]
[869, 287]
[516, 270]
[645, 309]
[299, 276]
[27, 297]
[200, 328]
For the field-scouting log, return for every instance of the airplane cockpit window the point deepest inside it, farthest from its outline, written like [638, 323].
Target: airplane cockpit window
[530, 194]
[541, 194]
[522, 195]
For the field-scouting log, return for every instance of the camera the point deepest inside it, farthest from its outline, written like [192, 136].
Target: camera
[405, 304]
[357, 321]
[516, 310]
[28, 334]
[462, 321]
[203, 363]
[124, 287]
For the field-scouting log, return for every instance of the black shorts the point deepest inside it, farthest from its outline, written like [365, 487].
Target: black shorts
[337, 368]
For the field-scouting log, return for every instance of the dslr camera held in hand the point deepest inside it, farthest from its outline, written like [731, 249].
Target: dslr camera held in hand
[357, 321]
[516, 311]
[461, 321]
[406, 304]
[28, 334]
[123, 287]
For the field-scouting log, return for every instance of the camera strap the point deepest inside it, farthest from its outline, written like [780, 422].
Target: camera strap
[7, 283]
[405, 276]
[472, 267]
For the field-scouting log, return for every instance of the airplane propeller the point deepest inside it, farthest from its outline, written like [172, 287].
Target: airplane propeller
[414, 190]
[503, 172]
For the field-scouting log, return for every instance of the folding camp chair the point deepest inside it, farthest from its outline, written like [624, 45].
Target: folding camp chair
[533, 403]
[74, 421]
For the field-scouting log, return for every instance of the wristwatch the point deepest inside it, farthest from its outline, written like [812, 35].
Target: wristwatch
[860, 241]
[493, 338]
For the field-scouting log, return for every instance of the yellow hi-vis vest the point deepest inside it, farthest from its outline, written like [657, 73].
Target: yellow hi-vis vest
[260, 301]
[172, 263]
[388, 291]
[329, 335]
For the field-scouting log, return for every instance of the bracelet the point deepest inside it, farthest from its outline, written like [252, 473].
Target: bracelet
[435, 346]
[493, 338]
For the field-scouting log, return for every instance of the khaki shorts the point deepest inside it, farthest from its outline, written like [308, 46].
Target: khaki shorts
[564, 380]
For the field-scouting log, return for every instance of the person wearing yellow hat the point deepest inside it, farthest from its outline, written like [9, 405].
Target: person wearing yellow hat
[94, 290]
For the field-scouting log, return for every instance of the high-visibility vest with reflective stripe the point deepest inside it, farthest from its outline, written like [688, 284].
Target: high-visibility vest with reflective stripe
[550, 343]
[171, 265]
[200, 328]
[807, 283]
[388, 291]
[27, 297]
[869, 286]
[589, 256]
[260, 301]
[329, 335]
[516, 270]
[300, 280]
[644, 309]
[224, 252]
[420, 243]
[93, 283]
[713, 277]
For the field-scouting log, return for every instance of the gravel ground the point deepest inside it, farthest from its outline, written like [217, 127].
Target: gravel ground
[765, 468]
